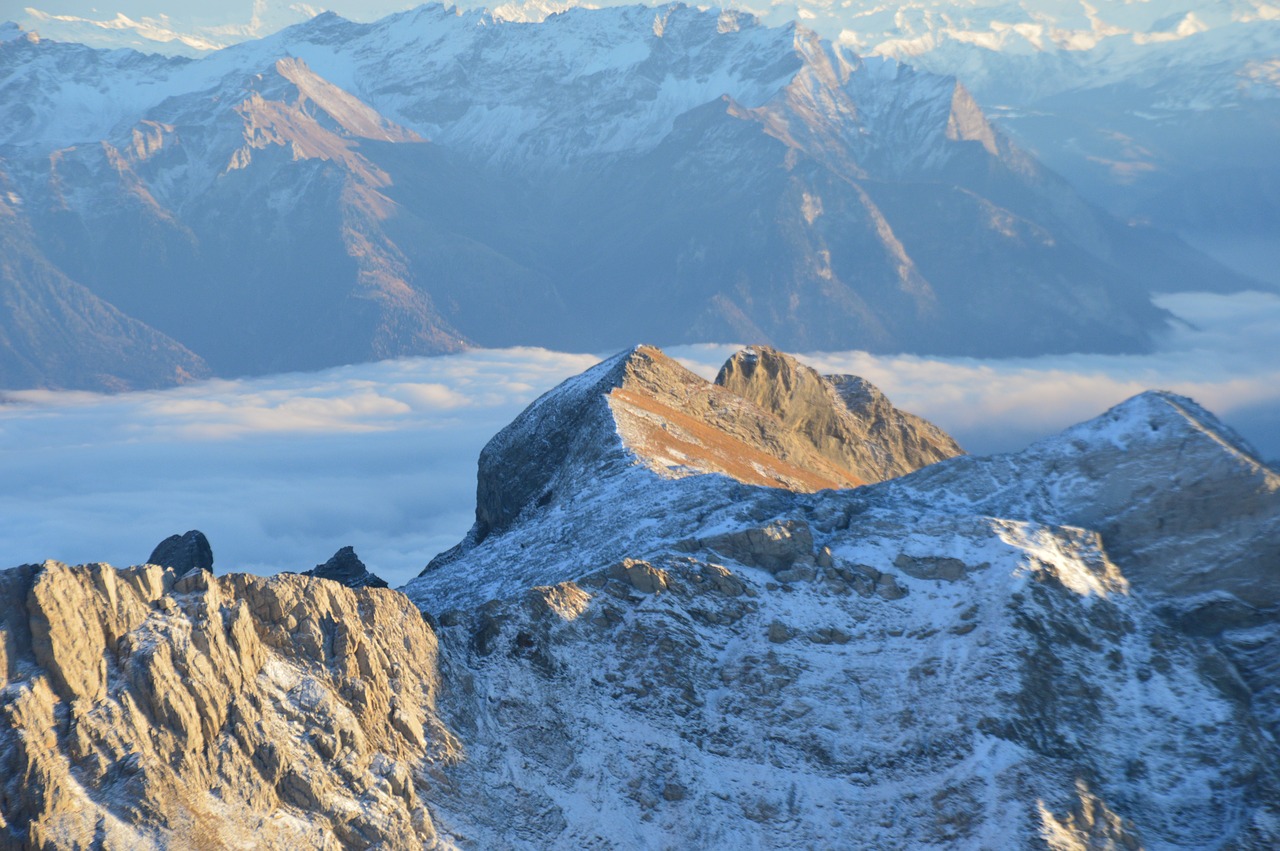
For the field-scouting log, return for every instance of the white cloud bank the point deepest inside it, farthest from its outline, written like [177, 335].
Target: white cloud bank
[281, 471]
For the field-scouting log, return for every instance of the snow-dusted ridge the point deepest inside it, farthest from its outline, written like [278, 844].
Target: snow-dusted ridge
[997, 624]
[576, 47]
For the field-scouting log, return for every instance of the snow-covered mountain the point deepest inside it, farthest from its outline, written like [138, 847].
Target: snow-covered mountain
[660, 634]
[1161, 111]
[1165, 111]
[984, 652]
[342, 191]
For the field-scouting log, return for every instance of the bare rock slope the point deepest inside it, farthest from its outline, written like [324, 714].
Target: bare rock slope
[846, 418]
[145, 711]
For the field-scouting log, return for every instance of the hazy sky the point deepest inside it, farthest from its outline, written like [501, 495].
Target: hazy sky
[281, 471]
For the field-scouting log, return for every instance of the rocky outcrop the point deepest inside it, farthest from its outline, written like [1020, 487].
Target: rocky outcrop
[669, 420]
[143, 710]
[604, 435]
[845, 418]
[183, 553]
[678, 424]
[346, 568]
[908, 442]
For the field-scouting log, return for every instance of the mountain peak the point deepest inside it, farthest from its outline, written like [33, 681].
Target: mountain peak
[781, 426]
[1159, 416]
[346, 568]
[846, 418]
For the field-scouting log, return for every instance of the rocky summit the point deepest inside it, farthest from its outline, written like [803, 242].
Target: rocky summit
[641, 414]
[347, 569]
[845, 417]
[690, 614]
[183, 553]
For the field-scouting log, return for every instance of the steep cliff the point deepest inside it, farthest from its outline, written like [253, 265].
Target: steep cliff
[146, 711]
[846, 418]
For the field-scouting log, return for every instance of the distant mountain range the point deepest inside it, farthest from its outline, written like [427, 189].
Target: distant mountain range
[340, 192]
[1163, 112]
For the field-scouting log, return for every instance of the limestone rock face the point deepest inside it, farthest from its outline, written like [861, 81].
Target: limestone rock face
[146, 710]
[183, 553]
[908, 442]
[845, 418]
[345, 567]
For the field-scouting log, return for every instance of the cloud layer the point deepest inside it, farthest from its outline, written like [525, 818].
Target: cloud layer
[281, 471]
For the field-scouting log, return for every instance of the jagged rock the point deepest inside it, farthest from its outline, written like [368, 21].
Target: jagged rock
[640, 575]
[669, 420]
[346, 568]
[845, 418]
[184, 553]
[775, 548]
[908, 442]
[144, 710]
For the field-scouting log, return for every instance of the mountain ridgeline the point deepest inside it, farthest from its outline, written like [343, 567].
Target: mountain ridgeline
[772, 611]
[340, 192]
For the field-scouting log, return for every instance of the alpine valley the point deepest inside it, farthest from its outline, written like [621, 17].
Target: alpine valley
[341, 192]
[773, 611]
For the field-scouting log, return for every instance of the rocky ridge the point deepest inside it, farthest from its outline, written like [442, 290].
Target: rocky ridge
[965, 656]
[642, 410]
[859, 427]
[55, 332]
[203, 712]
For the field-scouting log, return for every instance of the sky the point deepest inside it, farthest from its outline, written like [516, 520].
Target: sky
[282, 471]
[198, 24]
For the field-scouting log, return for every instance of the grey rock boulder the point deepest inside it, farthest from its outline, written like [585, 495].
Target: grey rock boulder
[184, 553]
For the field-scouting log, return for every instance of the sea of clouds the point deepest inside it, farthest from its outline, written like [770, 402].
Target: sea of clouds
[282, 471]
